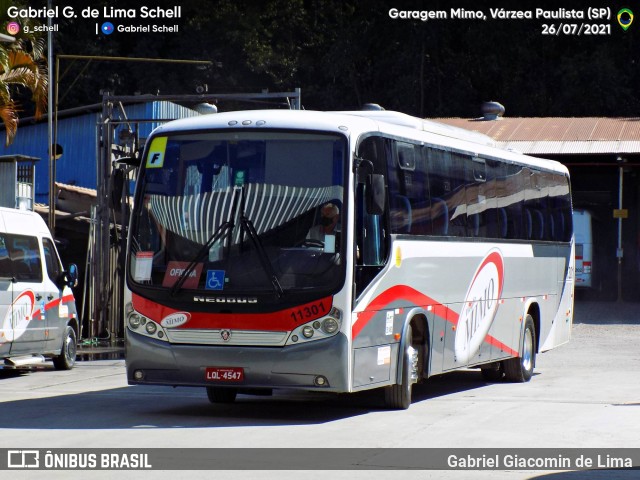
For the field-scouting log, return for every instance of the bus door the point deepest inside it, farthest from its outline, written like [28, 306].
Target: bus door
[56, 312]
[23, 323]
[371, 241]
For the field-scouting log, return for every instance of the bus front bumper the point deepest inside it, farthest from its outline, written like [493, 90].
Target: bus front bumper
[318, 365]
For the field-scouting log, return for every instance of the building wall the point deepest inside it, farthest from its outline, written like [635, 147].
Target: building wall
[77, 135]
[595, 187]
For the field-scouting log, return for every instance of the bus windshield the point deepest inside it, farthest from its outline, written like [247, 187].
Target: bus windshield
[240, 212]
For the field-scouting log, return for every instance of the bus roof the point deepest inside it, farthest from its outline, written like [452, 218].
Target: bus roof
[356, 123]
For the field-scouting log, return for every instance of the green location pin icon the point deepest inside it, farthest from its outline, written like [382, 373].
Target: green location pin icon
[625, 18]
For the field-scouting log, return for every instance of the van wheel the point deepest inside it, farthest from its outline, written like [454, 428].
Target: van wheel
[520, 369]
[67, 358]
[398, 396]
[221, 394]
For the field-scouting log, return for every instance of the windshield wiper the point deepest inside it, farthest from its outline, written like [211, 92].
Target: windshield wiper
[217, 235]
[226, 228]
[247, 225]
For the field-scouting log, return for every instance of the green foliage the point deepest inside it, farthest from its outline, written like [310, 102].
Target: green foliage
[22, 68]
[346, 53]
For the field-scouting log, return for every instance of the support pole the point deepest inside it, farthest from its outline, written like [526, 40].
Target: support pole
[619, 252]
[52, 158]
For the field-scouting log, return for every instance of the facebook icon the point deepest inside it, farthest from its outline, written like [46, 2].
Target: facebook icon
[215, 280]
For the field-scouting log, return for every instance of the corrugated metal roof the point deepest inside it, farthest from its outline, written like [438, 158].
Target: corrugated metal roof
[558, 135]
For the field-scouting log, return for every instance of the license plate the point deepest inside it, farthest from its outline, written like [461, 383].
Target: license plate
[224, 374]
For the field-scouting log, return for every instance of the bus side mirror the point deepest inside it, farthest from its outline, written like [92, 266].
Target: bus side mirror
[71, 275]
[375, 194]
[118, 180]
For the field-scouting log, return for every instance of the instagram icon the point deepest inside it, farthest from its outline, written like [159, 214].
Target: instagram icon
[13, 28]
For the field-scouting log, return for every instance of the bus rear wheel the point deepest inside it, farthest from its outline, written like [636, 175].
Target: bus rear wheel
[520, 369]
[221, 394]
[398, 396]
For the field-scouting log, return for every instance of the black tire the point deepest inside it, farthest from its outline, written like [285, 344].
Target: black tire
[222, 394]
[398, 396]
[67, 358]
[520, 369]
[493, 373]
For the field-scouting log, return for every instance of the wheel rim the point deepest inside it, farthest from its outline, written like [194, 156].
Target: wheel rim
[70, 348]
[527, 353]
[412, 355]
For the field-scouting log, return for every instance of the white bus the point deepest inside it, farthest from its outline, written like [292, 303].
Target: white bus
[447, 253]
[584, 248]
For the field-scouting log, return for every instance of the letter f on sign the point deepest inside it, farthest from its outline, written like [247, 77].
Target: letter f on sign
[155, 157]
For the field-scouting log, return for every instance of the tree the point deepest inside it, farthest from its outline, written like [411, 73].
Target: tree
[23, 69]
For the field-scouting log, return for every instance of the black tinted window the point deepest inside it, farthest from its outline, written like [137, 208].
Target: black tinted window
[51, 260]
[20, 258]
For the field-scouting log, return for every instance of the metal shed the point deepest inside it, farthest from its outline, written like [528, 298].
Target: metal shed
[78, 138]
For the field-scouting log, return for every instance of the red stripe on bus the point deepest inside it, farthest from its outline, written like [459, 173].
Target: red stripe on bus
[497, 343]
[279, 321]
[404, 292]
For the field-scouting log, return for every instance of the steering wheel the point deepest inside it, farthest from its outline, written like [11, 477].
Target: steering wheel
[312, 243]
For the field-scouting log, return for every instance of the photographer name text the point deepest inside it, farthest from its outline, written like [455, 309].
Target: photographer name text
[91, 12]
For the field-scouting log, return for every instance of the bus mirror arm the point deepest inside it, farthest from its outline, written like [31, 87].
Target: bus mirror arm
[364, 168]
[69, 277]
[375, 194]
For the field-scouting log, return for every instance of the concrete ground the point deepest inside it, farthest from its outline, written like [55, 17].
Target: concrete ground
[585, 394]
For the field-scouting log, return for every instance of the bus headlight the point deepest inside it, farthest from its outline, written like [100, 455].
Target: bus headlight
[151, 328]
[317, 329]
[330, 325]
[134, 321]
[144, 326]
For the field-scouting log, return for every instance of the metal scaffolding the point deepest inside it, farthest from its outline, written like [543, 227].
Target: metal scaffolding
[105, 275]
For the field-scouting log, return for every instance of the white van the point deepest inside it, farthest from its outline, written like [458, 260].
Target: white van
[584, 248]
[38, 316]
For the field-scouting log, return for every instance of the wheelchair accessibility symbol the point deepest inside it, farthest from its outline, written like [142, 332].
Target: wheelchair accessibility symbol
[215, 280]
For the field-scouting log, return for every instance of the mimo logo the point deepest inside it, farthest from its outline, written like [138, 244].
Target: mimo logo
[480, 306]
[19, 315]
[175, 319]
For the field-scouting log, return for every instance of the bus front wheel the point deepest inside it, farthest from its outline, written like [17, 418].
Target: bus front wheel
[520, 369]
[398, 396]
[221, 394]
